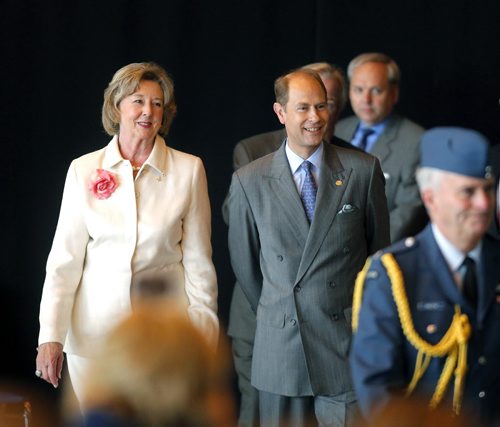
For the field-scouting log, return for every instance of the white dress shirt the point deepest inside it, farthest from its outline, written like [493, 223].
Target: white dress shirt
[295, 161]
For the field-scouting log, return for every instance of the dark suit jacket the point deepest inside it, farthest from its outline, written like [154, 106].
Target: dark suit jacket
[399, 154]
[382, 360]
[299, 278]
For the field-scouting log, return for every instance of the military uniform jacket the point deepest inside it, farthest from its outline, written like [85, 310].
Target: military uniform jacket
[382, 359]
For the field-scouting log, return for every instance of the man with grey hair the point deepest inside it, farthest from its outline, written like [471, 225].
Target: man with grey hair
[241, 327]
[373, 92]
[426, 311]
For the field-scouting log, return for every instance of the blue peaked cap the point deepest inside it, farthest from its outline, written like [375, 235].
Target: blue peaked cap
[454, 149]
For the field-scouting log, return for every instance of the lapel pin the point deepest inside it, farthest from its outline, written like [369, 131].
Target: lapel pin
[338, 183]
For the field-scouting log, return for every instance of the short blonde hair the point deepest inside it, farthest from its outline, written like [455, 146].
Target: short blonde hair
[154, 366]
[125, 82]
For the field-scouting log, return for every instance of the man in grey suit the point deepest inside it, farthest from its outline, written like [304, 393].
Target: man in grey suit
[373, 92]
[241, 327]
[299, 231]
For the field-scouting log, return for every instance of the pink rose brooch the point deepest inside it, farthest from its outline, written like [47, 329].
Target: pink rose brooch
[102, 184]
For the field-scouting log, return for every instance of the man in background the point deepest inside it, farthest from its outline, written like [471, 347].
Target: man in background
[376, 128]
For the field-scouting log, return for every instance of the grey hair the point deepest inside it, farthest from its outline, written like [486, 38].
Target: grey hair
[428, 178]
[392, 68]
[331, 71]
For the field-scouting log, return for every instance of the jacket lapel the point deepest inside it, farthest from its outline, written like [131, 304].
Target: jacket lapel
[383, 146]
[285, 193]
[434, 261]
[350, 129]
[331, 187]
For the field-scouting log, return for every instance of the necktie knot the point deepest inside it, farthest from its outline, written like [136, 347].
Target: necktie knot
[309, 190]
[364, 137]
[307, 166]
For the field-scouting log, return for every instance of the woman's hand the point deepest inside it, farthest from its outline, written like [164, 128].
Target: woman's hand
[49, 362]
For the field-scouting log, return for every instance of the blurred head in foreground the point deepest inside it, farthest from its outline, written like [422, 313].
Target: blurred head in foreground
[157, 369]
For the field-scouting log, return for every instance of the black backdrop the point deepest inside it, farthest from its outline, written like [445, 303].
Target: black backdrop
[57, 57]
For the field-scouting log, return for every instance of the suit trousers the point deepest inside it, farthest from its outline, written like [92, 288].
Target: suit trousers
[340, 410]
[249, 403]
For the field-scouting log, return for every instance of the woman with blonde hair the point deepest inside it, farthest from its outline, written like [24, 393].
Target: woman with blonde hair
[134, 207]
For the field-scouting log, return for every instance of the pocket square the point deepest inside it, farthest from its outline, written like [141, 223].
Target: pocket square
[347, 208]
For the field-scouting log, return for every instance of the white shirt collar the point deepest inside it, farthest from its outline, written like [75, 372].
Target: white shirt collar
[295, 161]
[453, 256]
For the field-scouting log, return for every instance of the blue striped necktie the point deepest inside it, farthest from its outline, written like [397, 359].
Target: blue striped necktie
[309, 190]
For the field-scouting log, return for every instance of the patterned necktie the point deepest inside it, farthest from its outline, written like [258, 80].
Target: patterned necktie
[470, 281]
[309, 190]
[364, 138]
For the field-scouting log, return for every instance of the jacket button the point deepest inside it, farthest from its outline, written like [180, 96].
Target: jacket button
[482, 360]
[482, 394]
[346, 250]
[332, 284]
[335, 316]
[293, 322]
[298, 288]
[280, 258]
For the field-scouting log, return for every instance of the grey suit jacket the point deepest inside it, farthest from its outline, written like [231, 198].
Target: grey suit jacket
[399, 154]
[241, 316]
[299, 278]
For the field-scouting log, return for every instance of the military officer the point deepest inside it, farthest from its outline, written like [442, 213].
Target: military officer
[427, 310]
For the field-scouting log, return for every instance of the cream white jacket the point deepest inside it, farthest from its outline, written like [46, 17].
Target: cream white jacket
[159, 223]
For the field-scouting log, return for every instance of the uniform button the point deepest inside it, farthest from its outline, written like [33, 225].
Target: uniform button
[346, 250]
[482, 360]
[409, 242]
[335, 316]
[280, 258]
[482, 394]
[293, 322]
[332, 284]
[298, 288]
